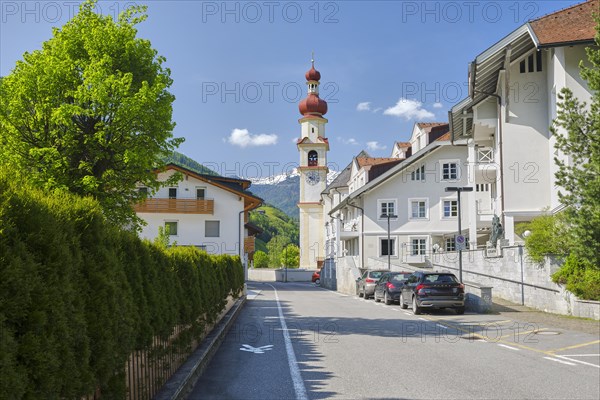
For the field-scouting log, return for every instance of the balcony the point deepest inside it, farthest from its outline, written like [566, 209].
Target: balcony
[485, 155]
[176, 206]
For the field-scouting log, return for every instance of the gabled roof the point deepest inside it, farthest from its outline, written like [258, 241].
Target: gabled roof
[571, 25]
[402, 144]
[445, 136]
[370, 161]
[341, 180]
[425, 125]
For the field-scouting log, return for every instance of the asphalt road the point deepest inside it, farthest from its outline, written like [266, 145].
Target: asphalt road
[298, 341]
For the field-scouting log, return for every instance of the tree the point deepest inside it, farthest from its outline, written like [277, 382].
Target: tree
[90, 112]
[275, 248]
[290, 257]
[261, 259]
[577, 131]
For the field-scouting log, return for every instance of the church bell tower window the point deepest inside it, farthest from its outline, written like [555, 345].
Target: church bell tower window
[313, 159]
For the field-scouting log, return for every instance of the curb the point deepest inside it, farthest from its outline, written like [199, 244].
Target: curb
[179, 386]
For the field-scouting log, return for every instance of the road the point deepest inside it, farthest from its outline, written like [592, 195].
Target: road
[298, 341]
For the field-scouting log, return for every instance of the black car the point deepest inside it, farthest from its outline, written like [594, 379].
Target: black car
[389, 286]
[433, 290]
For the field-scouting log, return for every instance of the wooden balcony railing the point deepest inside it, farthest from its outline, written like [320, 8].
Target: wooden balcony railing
[249, 244]
[176, 206]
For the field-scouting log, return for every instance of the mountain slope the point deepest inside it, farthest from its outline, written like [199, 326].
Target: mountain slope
[274, 223]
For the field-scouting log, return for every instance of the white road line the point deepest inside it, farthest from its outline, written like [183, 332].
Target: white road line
[579, 361]
[299, 387]
[442, 326]
[508, 347]
[423, 319]
[580, 355]
[559, 361]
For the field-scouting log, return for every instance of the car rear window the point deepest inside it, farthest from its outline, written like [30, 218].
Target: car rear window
[440, 278]
[400, 277]
[375, 274]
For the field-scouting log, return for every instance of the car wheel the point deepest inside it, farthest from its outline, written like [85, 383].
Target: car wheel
[386, 299]
[403, 304]
[365, 294]
[416, 309]
[317, 282]
[459, 310]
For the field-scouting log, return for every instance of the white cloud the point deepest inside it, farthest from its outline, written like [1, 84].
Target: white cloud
[438, 105]
[409, 109]
[374, 146]
[366, 106]
[350, 141]
[243, 138]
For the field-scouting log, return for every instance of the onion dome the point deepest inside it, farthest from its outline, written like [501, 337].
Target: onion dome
[312, 104]
[312, 74]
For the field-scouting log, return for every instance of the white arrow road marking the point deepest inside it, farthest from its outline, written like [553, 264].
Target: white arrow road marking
[256, 350]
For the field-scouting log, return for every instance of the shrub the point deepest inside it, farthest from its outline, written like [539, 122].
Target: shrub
[581, 278]
[261, 259]
[78, 296]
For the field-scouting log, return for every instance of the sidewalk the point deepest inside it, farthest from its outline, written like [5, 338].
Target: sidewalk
[526, 314]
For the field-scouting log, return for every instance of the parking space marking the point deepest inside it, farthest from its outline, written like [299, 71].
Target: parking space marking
[508, 347]
[580, 355]
[575, 346]
[560, 361]
[579, 361]
[424, 319]
[442, 326]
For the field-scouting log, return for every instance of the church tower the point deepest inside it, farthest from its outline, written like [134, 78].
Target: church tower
[313, 147]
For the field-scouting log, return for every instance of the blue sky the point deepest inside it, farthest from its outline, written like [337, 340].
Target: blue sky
[238, 67]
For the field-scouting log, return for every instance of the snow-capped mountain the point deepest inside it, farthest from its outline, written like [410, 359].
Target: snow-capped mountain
[283, 190]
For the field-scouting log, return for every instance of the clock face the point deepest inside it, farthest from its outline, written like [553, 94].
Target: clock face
[313, 177]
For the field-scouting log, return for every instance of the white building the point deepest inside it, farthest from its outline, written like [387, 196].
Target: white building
[411, 190]
[513, 92]
[205, 211]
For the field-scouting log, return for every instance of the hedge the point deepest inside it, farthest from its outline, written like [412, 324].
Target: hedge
[78, 296]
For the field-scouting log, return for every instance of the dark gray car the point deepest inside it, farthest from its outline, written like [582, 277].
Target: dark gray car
[433, 290]
[365, 285]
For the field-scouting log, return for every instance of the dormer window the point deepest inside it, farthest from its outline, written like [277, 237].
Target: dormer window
[313, 158]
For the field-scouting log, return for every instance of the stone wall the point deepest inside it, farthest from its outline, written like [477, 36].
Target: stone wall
[279, 275]
[515, 278]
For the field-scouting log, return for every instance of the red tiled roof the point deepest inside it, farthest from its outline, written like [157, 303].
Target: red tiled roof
[423, 125]
[368, 161]
[445, 136]
[573, 24]
[403, 144]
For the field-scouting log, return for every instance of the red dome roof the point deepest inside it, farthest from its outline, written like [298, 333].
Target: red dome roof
[312, 104]
[312, 74]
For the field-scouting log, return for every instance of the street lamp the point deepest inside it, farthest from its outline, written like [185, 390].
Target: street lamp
[458, 190]
[389, 242]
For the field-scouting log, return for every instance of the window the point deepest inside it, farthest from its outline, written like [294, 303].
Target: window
[387, 207]
[482, 187]
[449, 171]
[171, 228]
[522, 67]
[418, 247]
[418, 209]
[212, 228]
[538, 61]
[200, 193]
[449, 244]
[450, 208]
[172, 193]
[418, 174]
[388, 247]
[313, 158]
[530, 63]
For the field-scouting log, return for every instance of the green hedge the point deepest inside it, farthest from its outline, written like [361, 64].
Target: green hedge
[77, 296]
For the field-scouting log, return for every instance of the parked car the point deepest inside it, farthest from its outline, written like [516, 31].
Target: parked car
[433, 290]
[389, 286]
[316, 277]
[365, 285]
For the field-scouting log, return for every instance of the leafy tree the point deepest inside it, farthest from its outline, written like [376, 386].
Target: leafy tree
[90, 112]
[275, 247]
[577, 130]
[549, 235]
[290, 257]
[261, 259]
